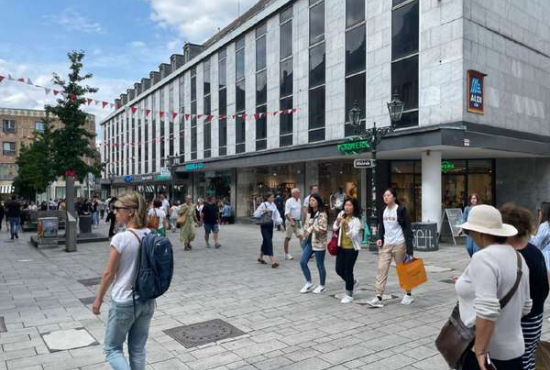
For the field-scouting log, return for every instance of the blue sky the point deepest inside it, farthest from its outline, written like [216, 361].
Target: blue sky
[123, 39]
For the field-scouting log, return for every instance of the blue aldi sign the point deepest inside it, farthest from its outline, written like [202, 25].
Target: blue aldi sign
[476, 99]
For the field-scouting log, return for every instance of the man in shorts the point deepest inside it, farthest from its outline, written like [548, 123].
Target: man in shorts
[210, 217]
[293, 215]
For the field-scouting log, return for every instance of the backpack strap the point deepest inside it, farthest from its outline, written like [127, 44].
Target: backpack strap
[137, 272]
[504, 301]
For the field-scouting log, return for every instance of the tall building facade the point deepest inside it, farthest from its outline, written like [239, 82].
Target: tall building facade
[474, 77]
[18, 128]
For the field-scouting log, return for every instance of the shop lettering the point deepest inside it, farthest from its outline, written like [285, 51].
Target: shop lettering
[194, 166]
[475, 92]
[447, 166]
[354, 147]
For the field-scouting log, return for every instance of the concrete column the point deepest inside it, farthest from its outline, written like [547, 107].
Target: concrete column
[431, 187]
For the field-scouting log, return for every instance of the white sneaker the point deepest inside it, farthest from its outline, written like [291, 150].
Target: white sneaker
[407, 300]
[288, 257]
[306, 288]
[320, 289]
[376, 303]
[347, 299]
[208, 245]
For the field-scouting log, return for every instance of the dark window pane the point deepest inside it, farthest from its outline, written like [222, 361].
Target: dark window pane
[408, 120]
[194, 110]
[317, 65]
[405, 31]
[286, 77]
[240, 148]
[286, 119]
[182, 142]
[222, 54]
[207, 105]
[285, 140]
[355, 12]
[405, 81]
[206, 78]
[240, 96]
[286, 14]
[261, 30]
[207, 153]
[240, 129]
[239, 64]
[286, 40]
[355, 92]
[222, 73]
[316, 135]
[223, 151]
[261, 87]
[317, 108]
[193, 88]
[260, 53]
[194, 139]
[207, 136]
[356, 50]
[222, 135]
[222, 100]
[239, 44]
[261, 144]
[397, 2]
[261, 123]
[317, 23]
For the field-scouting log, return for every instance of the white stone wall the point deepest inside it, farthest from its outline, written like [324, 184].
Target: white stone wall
[214, 103]
[273, 72]
[300, 52]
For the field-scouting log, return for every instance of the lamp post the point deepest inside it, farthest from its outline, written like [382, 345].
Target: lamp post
[373, 137]
[111, 180]
[172, 162]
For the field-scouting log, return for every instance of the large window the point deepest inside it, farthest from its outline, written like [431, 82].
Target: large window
[316, 71]
[240, 103]
[193, 113]
[8, 126]
[39, 126]
[207, 110]
[8, 148]
[182, 119]
[286, 78]
[405, 40]
[163, 120]
[261, 88]
[222, 102]
[154, 134]
[356, 50]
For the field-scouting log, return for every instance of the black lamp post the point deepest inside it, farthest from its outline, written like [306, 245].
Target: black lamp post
[172, 162]
[111, 180]
[373, 137]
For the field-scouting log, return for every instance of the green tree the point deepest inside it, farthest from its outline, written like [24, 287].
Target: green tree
[72, 143]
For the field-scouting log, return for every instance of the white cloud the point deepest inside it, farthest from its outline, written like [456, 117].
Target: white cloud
[197, 20]
[72, 20]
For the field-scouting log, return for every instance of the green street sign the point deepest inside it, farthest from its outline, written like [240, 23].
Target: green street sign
[194, 166]
[447, 166]
[354, 146]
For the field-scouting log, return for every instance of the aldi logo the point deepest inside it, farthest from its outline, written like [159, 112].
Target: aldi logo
[475, 92]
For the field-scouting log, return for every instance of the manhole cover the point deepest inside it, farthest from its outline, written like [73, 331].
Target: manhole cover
[90, 281]
[3, 328]
[204, 332]
[87, 301]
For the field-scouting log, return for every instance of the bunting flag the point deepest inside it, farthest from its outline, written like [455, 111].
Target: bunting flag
[1, 78]
[21, 79]
[89, 101]
[55, 92]
[29, 82]
[134, 110]
[161, 113]
[47, 90]
[104, 104]
[10, 77]
[187, 116]
[174, 115]
[72, 96]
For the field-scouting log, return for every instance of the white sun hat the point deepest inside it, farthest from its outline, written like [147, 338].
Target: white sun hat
[488, 220]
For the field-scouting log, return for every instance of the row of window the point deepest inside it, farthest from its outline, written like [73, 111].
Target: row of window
[9, 126]
[8, 148]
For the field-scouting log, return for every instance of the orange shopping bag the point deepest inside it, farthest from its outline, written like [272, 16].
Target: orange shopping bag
[411, 274]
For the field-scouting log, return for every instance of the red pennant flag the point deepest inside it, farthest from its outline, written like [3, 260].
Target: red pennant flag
[233, 116]
[275, 113]
[55, 92]
[221, 117]
[90, 101]
[187, 116]
[1, 78]
[118, 106]
[161, 113]
[199, 116]
[174, 115]
[147, 111]
[256, 116]
[243, 116]
[21, 80]
[210, 117]
[104, 104]
[294, 110]
[134, 110]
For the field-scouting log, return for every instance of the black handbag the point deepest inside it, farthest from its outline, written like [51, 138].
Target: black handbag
[455, 338]
[265, 219]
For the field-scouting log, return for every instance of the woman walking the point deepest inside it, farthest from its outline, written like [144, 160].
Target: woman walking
[350, 233]
[315, 242]
[126, 318]
[495, 272]
[174, 215]
[187, 218]
[531, 324]
[395, 243]
[267, 230]
[473, 201]
[157, 219]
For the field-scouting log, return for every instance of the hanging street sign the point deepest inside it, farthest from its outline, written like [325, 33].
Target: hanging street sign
[354, 146]
[364, 163]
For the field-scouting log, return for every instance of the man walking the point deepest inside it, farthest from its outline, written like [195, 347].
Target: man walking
[13, 214]
[293, 214]
[165, 204]
[210, 216]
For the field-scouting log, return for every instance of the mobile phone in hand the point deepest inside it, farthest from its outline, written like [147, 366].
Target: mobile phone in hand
[488, 363]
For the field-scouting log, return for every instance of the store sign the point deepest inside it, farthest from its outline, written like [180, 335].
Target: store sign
[165, 174]
[147, 178]
[354, 146]
[194, 166]
[447, 166]
[128, 179]
[475, 92]
[363, 163]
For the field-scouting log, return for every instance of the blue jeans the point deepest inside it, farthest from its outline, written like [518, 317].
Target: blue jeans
[319, 259]
[124, 322]
[14, 226]
[95, 218]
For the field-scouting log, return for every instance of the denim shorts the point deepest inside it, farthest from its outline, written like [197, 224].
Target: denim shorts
[211, 228]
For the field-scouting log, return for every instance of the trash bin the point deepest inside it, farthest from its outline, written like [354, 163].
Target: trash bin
[85, 224]
[425, 237]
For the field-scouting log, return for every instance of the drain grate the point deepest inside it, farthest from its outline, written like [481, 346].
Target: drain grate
[3, 328]
[204, 332]
[90, 281]
[87, 301]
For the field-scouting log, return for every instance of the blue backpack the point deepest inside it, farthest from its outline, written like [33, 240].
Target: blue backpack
[155, 267]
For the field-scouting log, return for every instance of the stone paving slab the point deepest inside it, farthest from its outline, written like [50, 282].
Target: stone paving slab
[40, 293]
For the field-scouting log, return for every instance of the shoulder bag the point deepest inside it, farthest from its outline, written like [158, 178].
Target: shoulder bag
[265, 218]
[455, 338]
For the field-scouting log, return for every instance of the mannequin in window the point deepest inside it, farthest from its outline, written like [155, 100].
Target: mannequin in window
[337, 200]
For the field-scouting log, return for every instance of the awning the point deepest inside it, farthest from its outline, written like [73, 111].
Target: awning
[6, 189]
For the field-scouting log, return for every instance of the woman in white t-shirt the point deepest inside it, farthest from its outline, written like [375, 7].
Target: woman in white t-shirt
[126, 318]
[156, 218]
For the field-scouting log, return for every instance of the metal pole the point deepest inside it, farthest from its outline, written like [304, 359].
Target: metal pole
[373, 216]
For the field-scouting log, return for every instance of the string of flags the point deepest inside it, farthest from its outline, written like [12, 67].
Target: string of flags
[152, 112]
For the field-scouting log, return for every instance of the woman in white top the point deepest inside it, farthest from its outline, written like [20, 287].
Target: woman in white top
[125, 318]
[488, 278]
[157, 218]
[174, 210]
[267, 230]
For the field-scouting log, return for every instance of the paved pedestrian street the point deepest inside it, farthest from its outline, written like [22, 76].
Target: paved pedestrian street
[49, 324]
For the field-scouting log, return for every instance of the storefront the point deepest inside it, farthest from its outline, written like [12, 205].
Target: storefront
[459, 178]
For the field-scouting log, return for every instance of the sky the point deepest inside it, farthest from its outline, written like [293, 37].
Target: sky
[123, 41]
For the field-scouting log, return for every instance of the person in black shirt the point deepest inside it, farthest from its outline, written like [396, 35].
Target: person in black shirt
[2, 211]
[531, 324]
[210, 217]
[13, 214]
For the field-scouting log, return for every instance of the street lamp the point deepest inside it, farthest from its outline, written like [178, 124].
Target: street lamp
[111, 180]
[373, 137]
[172, 162]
